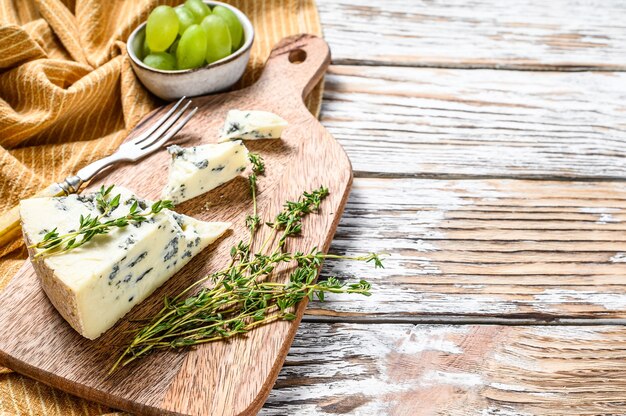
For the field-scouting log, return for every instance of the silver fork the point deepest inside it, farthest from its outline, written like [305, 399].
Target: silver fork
[141, 146]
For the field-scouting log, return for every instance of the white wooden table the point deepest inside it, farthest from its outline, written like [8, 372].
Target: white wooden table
[488, 139]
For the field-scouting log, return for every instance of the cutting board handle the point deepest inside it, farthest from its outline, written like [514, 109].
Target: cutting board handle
[297, 62]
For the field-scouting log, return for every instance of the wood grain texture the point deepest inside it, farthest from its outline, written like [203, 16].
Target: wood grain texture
[461, 123]
[532, 34]
[473, 248]
[221, 378]
[418, 370]
[484, 248]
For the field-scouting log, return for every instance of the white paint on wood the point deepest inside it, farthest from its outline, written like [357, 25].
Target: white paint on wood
[618, 258]
[431, 339]
[510, 387]
[345, 376]
[518, 388]
[495, 248]
[418, 121]
[433, 378]
[589, 333]
[604, 214]
[491, 370]
[531, 34]
[550, 299]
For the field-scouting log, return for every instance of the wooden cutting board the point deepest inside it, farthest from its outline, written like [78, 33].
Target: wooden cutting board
[222, 378]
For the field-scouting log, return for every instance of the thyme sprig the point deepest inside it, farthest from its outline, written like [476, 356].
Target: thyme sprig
[243, 296]
[258, 164]
[258, 168]
[91, 226]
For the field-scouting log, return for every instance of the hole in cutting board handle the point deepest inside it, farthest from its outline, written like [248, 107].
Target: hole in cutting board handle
[297, 63]
[297, 56]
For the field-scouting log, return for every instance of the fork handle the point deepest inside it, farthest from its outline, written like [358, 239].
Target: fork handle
[10, 221]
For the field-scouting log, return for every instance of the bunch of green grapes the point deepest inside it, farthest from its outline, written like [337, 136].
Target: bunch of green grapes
[190, 35]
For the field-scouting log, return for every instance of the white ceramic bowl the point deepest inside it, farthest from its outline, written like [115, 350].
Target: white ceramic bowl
[217, 76]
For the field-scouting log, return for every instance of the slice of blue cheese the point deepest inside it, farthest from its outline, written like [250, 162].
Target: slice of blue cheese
[95, 285]
[196, 170]
[252, 125]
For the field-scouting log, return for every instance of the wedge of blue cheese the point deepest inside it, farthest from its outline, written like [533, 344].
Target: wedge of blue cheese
[95, 285]
[196, 170]
[251, 125]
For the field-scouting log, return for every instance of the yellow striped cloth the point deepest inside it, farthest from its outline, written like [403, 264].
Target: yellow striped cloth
[68, 96]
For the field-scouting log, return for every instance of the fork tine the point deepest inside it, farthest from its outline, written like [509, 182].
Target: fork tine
[164, 127]
[170, 133]
[143, 136]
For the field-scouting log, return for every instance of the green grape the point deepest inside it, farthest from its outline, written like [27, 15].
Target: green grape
[161, 29]
[185, 18]
[145, 50]
[234, 25]
[198, 9]
[191, 48]
[218, 38]
[172, 49]
[160, 60]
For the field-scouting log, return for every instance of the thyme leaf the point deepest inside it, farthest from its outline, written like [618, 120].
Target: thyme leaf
[243, 295]
[91, 226]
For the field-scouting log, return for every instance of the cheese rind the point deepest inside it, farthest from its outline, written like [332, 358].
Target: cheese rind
[95, 285]
[196, 170]
[252, 125]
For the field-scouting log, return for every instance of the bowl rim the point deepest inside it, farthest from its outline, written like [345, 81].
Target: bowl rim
[247, 45]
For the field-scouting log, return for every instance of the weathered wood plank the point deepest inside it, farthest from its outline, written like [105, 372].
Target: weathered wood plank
[450, 123]
[533, 34]
[462, 370]
[507, 248]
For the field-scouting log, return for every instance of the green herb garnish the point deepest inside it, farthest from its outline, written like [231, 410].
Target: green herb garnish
[258, 168]
[243, 296]
[258, 164]
[90, 226]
